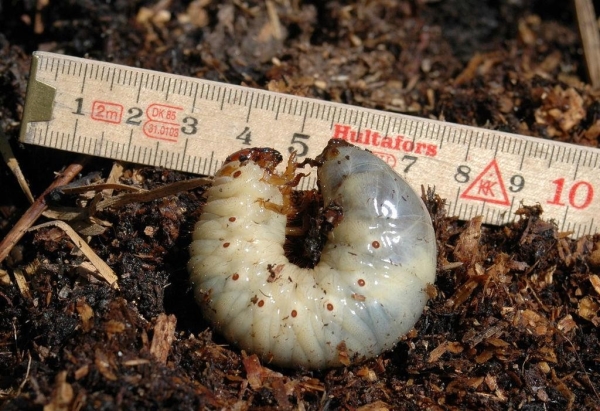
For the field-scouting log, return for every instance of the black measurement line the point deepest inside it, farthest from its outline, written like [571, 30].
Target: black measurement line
[75, 130]
[168, 88]
[522, 155]
[564, 220]
[249, 105]
[577, 165]
[129, 145]
[332, 117]
[551, 157]
[196, 95]
[456, 200]
[185, 146]
[468, 147]
[83, 82]
[139, 91]
[278, 105]
[223, 99]
[304, 119]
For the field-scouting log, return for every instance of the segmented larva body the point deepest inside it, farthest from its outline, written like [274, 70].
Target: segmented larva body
[365, 293]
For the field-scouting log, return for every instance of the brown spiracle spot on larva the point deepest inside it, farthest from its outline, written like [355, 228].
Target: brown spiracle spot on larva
[316, 278]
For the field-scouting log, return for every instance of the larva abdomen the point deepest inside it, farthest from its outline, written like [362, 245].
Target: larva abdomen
[368, 288]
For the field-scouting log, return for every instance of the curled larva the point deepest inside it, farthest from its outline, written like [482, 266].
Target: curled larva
[365, 293]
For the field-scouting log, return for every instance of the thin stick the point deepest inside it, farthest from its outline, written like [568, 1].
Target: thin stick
[37, 208]
[13, 164]
[590, 38]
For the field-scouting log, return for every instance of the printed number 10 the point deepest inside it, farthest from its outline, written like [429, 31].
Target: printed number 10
[581, 194]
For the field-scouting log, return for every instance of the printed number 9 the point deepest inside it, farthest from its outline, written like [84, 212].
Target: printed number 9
[517, 183]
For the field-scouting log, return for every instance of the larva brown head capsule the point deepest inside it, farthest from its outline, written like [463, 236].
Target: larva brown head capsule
[266, 158]
[368, 288]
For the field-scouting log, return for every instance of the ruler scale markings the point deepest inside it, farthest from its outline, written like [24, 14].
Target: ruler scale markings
[456, 198]
[577, 165]
[155, 151]
[222, 98]
[304, 118]
[564, 219]
[285, 105]
[214, 88]
[551, 157]
[74, 132]
[278, 107]
[443, 129]
[497, 146]
[547, 168]
[523, 153]
[160, 159]
[83, 80]
[249, 106]
[586, 160]
[262, 98]
[358, 122]
[185, 146]
[468, 146]
[211, 161]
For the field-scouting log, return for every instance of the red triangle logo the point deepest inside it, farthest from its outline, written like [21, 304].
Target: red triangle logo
[488, 186]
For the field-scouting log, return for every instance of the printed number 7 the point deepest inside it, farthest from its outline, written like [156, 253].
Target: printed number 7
[412, 160]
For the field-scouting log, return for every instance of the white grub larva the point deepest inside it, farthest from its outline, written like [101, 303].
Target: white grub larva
[365, 293]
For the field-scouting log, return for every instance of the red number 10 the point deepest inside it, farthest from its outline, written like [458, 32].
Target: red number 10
[578, 201]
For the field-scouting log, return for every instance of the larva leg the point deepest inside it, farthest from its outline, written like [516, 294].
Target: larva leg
[368, 287]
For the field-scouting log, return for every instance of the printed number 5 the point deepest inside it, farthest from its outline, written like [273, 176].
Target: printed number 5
[297, 139]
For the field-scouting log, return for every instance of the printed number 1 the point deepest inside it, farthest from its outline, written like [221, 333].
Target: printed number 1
[577, 198]
[79, 106]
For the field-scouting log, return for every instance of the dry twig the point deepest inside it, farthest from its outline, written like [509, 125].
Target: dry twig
[37, 208]
[590, 38]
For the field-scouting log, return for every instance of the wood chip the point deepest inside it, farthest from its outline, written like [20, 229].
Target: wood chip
[164, 330]
[62, 395]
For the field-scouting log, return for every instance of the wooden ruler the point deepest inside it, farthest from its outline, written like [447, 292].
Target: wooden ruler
[189, 124]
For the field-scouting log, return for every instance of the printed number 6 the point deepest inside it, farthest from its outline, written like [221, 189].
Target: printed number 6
[297, 139]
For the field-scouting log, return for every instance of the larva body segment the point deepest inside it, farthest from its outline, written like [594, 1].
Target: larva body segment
[368, 288]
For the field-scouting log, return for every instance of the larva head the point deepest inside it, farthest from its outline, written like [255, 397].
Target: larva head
[265, 157]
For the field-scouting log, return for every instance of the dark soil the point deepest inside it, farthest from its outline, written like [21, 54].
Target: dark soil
[513, 320]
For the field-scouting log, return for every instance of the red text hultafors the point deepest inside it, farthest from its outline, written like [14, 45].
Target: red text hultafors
[374, 139]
